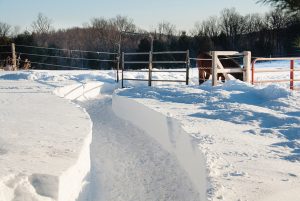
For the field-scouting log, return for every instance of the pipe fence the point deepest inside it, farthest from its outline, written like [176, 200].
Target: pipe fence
[144, 62]
[291, 70]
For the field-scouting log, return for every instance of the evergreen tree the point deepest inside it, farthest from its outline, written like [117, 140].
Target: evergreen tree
[290, 5]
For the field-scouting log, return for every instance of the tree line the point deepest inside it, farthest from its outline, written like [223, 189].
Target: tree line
[275, 33]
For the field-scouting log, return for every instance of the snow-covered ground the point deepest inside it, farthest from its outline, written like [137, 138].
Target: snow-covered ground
[167, 142]
[44, 143]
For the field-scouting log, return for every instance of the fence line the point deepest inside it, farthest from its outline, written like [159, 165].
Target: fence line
[291, 70]
[150, 63]
[50, 48]
[70, 59]
[78, 58]
[5, 52]
[55, 65]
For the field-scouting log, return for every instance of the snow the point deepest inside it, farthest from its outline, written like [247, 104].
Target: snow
[250, 136]
[127, 164]
[170, 141]
[44, 144]
[169, 134]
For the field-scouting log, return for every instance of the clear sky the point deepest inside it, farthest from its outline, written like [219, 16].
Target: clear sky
[145, 13]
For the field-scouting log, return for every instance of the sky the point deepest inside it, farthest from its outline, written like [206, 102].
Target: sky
[145, 14]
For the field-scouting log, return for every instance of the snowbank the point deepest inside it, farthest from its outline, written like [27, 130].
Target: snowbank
[168, 132]
[249, 135]
[44, 144]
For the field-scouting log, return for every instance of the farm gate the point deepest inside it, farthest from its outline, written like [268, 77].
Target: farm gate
[289, 69]
[217, 67]
[143, 62]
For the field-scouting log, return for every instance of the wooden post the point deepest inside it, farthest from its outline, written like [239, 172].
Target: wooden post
[123, 65]
[118, 61]
[292, 74]
[214, 68]
[14, 57]
[150, 69]
[247, 66]
[187, 67]
[252, 73]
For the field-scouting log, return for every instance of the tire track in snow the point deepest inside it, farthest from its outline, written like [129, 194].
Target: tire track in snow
[128, 165]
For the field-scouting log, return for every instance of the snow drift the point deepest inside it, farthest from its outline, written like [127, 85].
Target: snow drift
[168, 132]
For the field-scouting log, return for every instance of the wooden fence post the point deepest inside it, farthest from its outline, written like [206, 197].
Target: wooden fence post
[292, 74]
[187, 67]
[118, 61]
[150, 69]
[14, 57]
[214, 68]
[247, 66]
[123, 66]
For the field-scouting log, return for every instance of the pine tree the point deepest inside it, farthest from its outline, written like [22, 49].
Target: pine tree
[290, 5]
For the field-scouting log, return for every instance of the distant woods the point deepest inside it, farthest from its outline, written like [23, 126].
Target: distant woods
[273, 34]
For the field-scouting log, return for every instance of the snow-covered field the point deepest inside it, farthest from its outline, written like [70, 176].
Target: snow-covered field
[166, 142]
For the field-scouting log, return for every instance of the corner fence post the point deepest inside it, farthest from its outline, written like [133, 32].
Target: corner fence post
[292, 74]
[123, 66]
[118, 66]
[252, 72]
[150, 69]
[118, 60]
[214, 68]
[247, 66]
[14, 57]
[187, 67]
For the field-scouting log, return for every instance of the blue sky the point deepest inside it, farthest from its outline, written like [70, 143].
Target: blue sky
[146, 14]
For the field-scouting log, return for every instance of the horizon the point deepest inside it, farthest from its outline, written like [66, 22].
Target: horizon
[82, 12]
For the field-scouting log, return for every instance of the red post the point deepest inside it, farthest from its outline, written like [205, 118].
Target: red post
[292, 74]
[252, 73]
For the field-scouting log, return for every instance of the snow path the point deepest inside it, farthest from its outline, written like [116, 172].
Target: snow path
[128, 165]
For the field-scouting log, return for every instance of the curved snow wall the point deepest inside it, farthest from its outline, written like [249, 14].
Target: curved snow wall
[168, 132]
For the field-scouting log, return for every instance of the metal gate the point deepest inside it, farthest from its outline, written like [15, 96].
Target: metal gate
[291, 69]
[145, 63]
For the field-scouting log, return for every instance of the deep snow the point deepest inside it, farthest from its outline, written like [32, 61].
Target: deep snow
[127, 164]
[44, 144]
[250, 136]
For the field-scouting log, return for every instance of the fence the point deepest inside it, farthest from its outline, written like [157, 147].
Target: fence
[152, 58]
[8, 56]
[49, 58]
[291, 71]
[216, 67]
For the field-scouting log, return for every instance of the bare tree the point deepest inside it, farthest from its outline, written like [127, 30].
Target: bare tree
[42, 25]
[277, 19]
[253, 23]
[210, 27]
[232, 25]
[123, 23]
[4, 29]
[166, 28]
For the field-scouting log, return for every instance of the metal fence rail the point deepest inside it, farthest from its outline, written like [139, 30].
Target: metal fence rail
[291, 71]
[150, 61]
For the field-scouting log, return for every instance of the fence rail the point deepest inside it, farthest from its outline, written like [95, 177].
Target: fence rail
[15, 55]
[150, 61]
[291, 71]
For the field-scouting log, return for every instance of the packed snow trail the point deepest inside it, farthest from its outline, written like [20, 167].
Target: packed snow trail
[127, 165]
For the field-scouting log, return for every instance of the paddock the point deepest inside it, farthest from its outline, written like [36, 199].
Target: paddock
[153, 63]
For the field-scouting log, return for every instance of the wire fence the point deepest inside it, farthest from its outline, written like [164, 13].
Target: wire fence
[57, 58]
